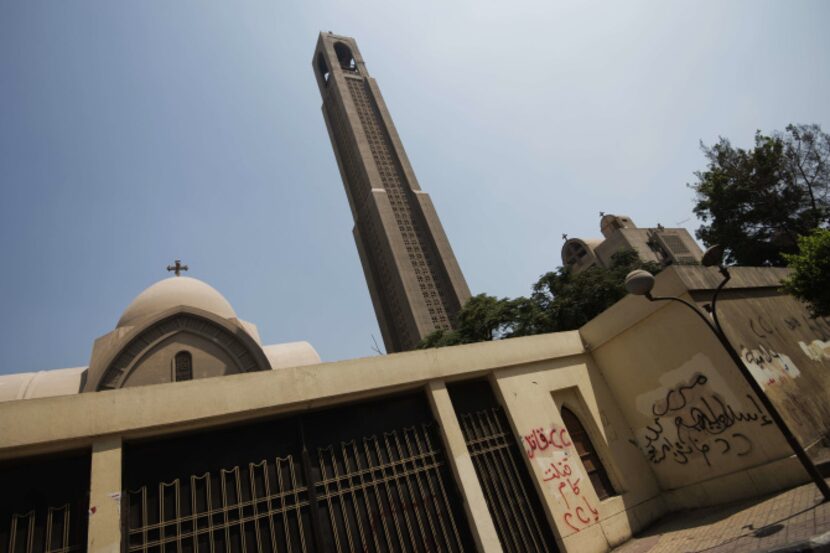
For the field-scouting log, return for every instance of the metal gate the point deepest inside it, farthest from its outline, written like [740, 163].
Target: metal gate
[43, 504]
[511, 498]
[377, 474]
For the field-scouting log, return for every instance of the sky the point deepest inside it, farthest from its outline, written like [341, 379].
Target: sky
[136, 133]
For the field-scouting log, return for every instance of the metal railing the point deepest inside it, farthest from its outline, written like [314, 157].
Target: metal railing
[384, 492]
[511, 498]
[42, 531]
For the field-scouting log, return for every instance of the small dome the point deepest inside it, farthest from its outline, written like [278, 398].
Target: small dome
[173, 292]
[292, 354]
[609, 224]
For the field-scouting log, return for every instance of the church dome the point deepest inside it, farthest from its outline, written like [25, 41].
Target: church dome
[173, 292]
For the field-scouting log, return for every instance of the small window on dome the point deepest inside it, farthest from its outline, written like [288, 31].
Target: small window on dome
[184, 366]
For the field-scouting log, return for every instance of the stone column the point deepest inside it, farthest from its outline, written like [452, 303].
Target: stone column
[458, 456]
[105, 497]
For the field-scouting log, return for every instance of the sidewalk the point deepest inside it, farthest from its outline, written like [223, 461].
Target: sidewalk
[762, 524]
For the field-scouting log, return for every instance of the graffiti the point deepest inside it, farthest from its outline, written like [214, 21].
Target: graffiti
[818, 325]
[555, 472]
[540, 440]
[676, 399]
[767, 365]
[791, 322]
[578, 510]
[691, 420]
[552, 450]
[760, 327]
[817, 350]
[763, 328]
[728, 447]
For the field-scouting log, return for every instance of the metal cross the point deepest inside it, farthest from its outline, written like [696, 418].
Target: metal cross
[177, 268]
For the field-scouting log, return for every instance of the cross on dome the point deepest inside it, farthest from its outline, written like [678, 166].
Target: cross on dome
[178, 267]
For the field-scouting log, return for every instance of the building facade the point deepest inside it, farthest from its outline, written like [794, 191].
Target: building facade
[659, 244]
[414, 279]
[568, 441]
[186, 433]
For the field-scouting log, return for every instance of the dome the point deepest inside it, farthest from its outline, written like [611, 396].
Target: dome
[173, 292]
[575, 251]
[292, 354]
[611, 223]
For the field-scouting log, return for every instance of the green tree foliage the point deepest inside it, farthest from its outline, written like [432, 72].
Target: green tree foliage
[567, 301]
[481, 319]
[810, 279]
[560, 301]
[757, 202]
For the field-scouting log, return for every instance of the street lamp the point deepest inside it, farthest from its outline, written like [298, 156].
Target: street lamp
[640, 283]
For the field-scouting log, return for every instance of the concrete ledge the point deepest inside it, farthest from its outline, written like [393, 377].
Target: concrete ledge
[694, 277]
[51, 424]
[675, 280]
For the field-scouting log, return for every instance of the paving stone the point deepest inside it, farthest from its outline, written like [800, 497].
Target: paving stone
[788, 519]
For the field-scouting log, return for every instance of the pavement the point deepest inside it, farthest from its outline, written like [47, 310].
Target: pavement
[792, 521]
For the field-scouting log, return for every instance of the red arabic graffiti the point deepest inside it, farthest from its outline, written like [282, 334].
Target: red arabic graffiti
[576, 516]
[540, 440]
[580, 513]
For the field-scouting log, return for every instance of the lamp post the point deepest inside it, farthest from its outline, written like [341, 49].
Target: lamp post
[640, 283]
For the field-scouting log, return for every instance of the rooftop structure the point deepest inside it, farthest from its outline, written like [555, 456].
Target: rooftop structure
[659, 244]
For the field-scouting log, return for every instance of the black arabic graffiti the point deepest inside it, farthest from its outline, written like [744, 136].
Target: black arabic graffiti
[762, 328]
[737, 436]
[698, 420]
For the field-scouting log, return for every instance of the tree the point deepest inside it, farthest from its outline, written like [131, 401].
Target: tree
[482, 318]
[560, 301]
[811, 272]
[566, 301]
[757, 202]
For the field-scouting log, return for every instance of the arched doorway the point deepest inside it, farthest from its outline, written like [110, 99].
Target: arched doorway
[588, 455]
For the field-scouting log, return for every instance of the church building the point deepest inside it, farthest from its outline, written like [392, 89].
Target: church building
[185, 433]
[661, 245]
[177, 329]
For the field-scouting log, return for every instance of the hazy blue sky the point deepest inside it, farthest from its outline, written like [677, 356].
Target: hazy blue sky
[132, 133]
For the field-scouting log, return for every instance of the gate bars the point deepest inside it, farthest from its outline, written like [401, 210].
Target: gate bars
[511, 498]
[44, 503]
[383, 491]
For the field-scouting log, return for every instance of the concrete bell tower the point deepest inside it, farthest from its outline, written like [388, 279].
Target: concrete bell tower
[414, 279]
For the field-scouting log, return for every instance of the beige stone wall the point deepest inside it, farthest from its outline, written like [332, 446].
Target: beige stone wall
[627, 238]
[671, 419]
[157, 365]
[532, 376]
[693, 415]
[534, 396]
[105, 490]
[786, 350]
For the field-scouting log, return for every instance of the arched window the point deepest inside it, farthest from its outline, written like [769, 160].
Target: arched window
[574, 251]
[588, 455]
[345, 57]
[184, 366]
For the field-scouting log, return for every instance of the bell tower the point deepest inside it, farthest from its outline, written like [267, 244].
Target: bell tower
[414, 279]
